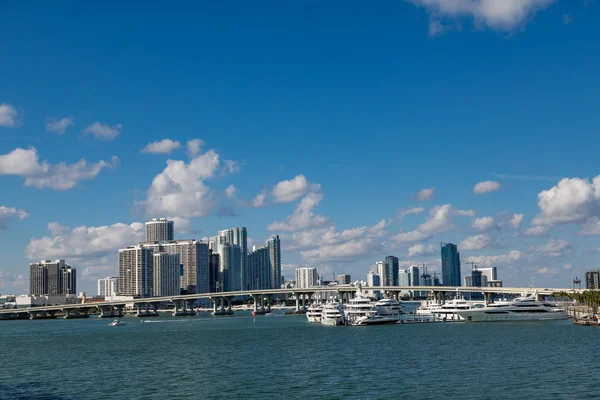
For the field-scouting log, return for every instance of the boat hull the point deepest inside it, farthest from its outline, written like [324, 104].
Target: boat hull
[482, 316]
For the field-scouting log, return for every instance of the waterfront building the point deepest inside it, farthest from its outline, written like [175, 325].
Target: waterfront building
[193, 255]
[159, 229]
[592, 279]
[391, 266]
[468, 281]
[213, 271]
[344, 279]
[488, 274]
[167, 270]
[403, 277]
[229, 278]
[108, 287]
[450, 265]
[274, 246]
[259, 268]
[374, 280]
[385, 273]
[413, 275]
[136, 271]
[426, 278]
[306, 278]
[239, 236]
[52, 278]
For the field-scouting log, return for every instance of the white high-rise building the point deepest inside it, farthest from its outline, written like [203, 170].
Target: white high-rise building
[166, 274]
[50, 277]
[413, 273]
[159, 229]
[136, 272]
[239, 236]
[403, 277]
[488, 274]
[306, 278]
[108, 287]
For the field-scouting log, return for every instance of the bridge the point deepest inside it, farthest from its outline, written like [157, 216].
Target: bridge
[222, 301]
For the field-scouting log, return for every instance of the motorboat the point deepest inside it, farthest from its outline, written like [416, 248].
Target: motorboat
[448, 311]
[116, 322]
[361, 311]
[313, 313]
[332, 314]
[524, 308]
[358, 307]
[389, 306]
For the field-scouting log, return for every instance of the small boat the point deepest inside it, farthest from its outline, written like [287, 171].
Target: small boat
[116, 322]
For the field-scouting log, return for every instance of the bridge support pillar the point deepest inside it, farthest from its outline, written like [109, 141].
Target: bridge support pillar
[297, 302]
[255, 307]
[304, 302]
[268, 300]
[489, 298]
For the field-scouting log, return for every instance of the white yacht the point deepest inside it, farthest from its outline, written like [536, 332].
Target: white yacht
[360, 311]
[358, 308]
[332, 314]
[523, 308]
[388, 307]
[449, 311]
[313, 313]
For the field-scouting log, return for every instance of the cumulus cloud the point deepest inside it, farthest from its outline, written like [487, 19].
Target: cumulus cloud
[230, 167]
[503, 15]
[193, 147]
[422, 250]
[181, 225]
[438, 221]
[537, 231]
[502, 259]
[424, 194]
[58, 126]
[485, 224]
[260, 200]
[516, 220]
[15, 283]
[56, 229]
[476, 242]
[572, 200]
[9, 213]
[403, 212]
[591, 227]
[230, 191]
[303, 216]
[8, 116]
[180, 189]
[25, 163]
[486, 187]
[164, 146]
[103, 131]
[291, 190]
[554, 247]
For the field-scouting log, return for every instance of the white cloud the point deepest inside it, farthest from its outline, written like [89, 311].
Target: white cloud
[485, 224]
[503, 259]
[260, 200]
[516, 220]
[351, 249]
[8, 213]
[543, 271]
[193, 147]
[572, 200]
[8, 116]
[180, 189]
[537, 231]
[85, 242]
[591, 227]
[422, 250]
[62, 176]
[58, 126]
[486, 187]
[554, 247]
[230, 191]
[438, 221]
[291, 190]
[56, 229]
[477, 242]
[103, 131]
[302, 217]
[424, 194]
[181, 225]
[504, 15]
[14, 283]
[231, 166]
[403, 212]
[164, 146]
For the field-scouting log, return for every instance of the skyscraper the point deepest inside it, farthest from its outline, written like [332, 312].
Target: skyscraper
[403, 277]
[259, 268]
[413, 275]
[108, 287]
[592, 279]
[239, 236]
[52, 277]
[274, 246]
[450, 265]
[384, 275]
[306, 278]
[166, 274]
[213, 271]
[344, 279]
[392, 268]
[229, 278]
[159, 229]
[136, 271]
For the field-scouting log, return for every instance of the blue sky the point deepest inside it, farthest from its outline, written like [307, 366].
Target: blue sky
[358, 108]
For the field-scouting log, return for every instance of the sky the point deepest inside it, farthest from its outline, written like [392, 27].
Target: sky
[352, 131]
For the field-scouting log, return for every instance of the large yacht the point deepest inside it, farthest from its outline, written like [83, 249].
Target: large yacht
[313, 313]
[523, 308]
[448, 311]
[388, 306]
[360, 311]
[358, 308]
[332, 314]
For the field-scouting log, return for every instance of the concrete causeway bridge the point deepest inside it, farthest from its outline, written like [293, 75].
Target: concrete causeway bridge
[222, 301]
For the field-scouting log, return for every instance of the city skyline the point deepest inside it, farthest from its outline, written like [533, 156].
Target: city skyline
[433, 125]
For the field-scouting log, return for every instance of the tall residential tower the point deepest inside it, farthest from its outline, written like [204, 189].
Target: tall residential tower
[450, 265]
